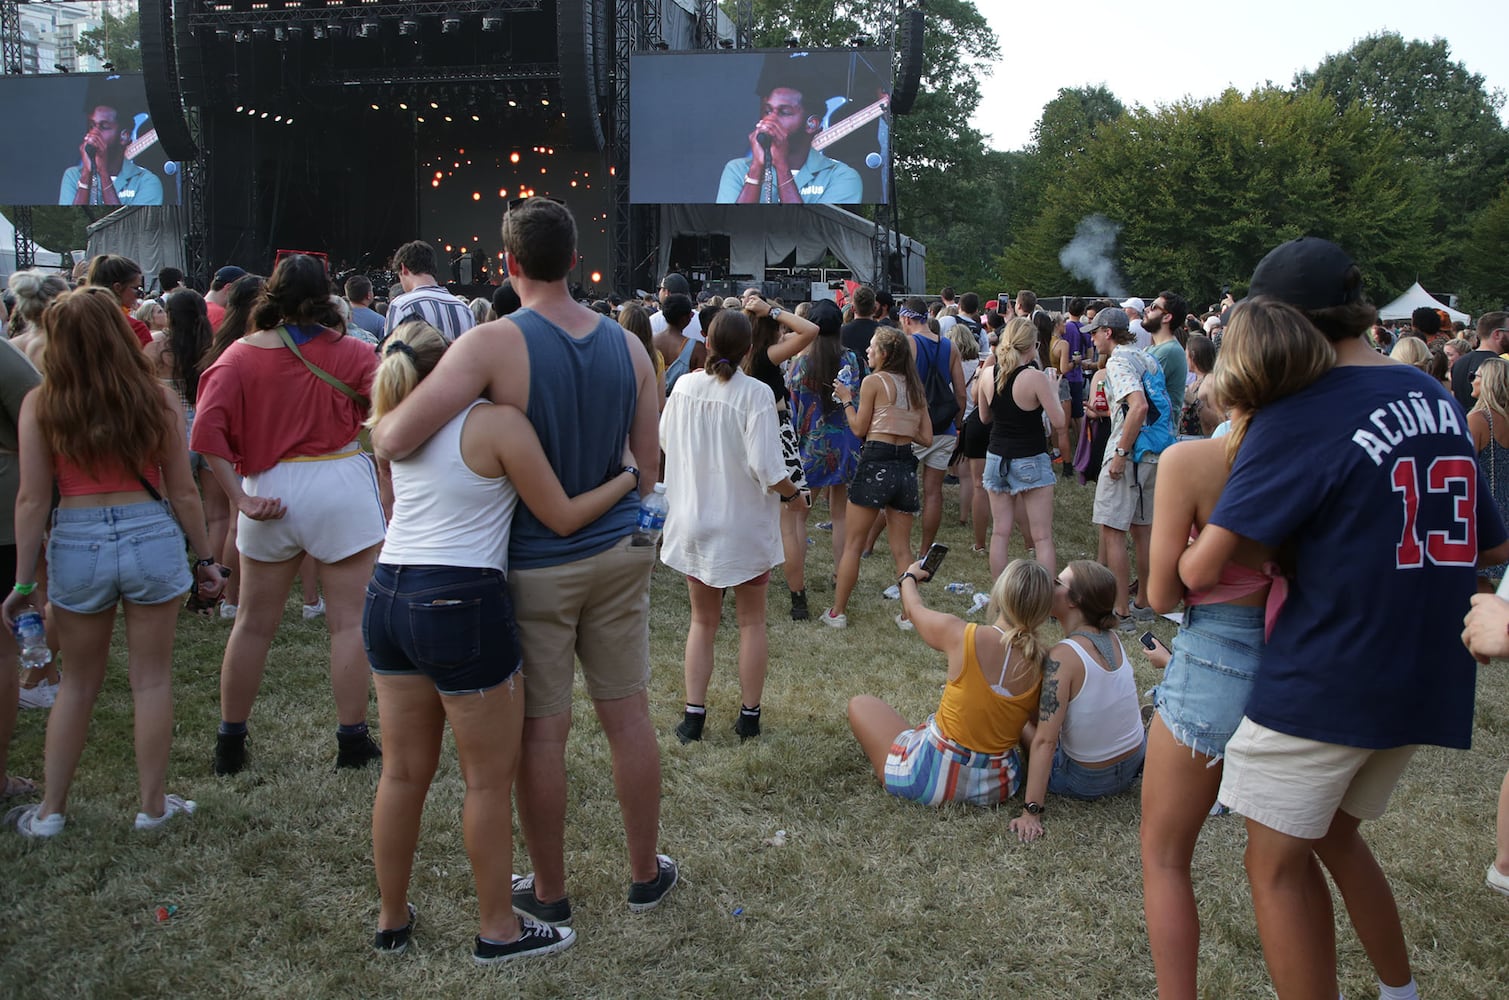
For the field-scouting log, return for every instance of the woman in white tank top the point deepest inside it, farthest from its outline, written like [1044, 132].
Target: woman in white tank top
[1089, 741]
[442, 640]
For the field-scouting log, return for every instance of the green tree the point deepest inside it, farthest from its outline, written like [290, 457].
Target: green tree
[117, 41]
[1063, 131]
[1202, 189]
[1446, 118]
[1487, 281]
[940, 160]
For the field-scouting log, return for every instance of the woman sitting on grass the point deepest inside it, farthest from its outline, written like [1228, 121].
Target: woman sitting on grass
[106, 434]
[1088, 742]
[443, 644]
[723, 467]
[967, 751]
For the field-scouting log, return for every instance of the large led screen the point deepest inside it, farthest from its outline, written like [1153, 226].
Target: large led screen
[82, 139]
[760, 127]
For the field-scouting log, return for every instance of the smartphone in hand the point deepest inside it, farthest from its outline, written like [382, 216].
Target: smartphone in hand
[1149, 640]
[934, 558]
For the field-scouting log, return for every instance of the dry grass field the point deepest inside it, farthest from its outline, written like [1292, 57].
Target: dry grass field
[867, 897]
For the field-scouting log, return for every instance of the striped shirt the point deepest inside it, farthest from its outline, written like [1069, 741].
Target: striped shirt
[435, 306]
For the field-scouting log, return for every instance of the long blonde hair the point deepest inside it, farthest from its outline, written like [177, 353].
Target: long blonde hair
[1269, 350]
[1412, 351]
[1022, 597]
[409, 354]
[1493, 387]
[1015, 348]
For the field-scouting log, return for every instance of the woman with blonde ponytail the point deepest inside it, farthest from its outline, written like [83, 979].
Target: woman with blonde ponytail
[443, 643]
[1088, 741]
[968, 750]
[1018, 472]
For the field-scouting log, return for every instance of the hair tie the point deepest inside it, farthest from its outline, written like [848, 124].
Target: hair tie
[398, 345]
[724, 361]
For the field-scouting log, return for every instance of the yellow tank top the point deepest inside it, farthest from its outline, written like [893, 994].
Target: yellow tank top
[973, 712]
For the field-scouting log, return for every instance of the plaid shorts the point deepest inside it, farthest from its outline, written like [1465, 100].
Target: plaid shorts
[928, 767]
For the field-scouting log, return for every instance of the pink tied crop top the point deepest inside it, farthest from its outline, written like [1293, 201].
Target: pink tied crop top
[1238, 581]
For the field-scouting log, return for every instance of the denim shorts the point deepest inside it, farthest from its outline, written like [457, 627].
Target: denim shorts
[1075, 781]
[1206, 684]
[98, 555]
[887, 477]
[455, 625]
[1019, 475]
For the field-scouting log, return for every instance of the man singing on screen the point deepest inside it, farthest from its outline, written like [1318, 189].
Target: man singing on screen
[103, 175]
[782, 167]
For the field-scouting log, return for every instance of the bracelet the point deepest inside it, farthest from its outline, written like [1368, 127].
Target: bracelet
[751, 179]
[854, 403]
[83, 186]
[25, 589]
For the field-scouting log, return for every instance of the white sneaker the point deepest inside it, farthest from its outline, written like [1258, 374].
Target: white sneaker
[41, 696]
[1496, 880]
[904, 624]
[172, 805]
[892, 593]
[227, 610]
[24, 819]
[315, 610]
[834, 621]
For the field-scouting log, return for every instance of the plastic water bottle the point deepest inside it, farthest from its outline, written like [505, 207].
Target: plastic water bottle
[981, 601]
[31, 636]
[652, 511]
[846, 376]
[959, 588]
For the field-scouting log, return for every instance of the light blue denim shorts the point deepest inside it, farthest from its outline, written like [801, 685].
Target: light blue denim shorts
[1017, 475]
[1075, 781]
[1206, 684]
[98, 555]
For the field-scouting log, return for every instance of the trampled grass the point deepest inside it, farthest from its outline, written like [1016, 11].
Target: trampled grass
[867, 897]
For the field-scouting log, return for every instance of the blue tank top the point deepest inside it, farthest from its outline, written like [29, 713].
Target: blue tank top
[581, 402]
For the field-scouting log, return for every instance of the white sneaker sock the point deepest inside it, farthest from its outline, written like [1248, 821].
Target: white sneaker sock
[1406, 992]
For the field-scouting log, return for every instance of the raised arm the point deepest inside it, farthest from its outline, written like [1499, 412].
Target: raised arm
[517, 447]
[942, 631]
[469, 368]
[802, 332]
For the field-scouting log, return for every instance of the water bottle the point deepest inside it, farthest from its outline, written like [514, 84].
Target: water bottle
[652, 511]
[959, 588]
[846, 376]
[31, 636]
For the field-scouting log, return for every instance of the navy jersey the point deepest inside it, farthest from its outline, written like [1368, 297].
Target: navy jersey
[1371, 474]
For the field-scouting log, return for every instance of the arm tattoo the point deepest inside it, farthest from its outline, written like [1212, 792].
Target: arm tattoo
[1048, 700]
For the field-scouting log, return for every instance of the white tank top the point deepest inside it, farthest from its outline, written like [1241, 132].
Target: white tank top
[444, 514]
[1103, 721]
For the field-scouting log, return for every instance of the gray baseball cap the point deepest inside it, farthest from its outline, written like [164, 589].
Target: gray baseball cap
[1113, 318]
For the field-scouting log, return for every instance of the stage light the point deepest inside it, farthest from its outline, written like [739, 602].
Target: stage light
[449, 118]
[420, 119]
[222, 35]
[408, 27]
[295, 32]
[450, 25]
[319, 31]
[240, 108]
[476, 196]
[513, 157]
[287, 121]
[402, 106]
[573, 183]
[242, 36]
[376, 108]
[544, 102]
[369, 29]
[492, 23]
[279, 35]
[250, 111]
[265, 114]
[434, 106]
[476, 118]
[597, 277]
[277, 118]
[512, 103]
[260, 34]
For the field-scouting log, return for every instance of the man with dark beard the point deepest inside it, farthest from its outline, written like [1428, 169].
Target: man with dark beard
[1162, 320]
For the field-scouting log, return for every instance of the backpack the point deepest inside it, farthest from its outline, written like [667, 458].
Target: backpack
[1158, 426]
[942, 405]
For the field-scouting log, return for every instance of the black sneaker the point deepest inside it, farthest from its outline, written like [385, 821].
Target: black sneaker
[647, 895]
[230, 753]
[534, 938]
[690, 727]
[396, 941]
[527, 904]
[747, 725]
[799, 612]
[357, 750]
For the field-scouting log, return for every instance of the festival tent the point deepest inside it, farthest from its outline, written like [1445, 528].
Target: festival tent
[151, 235]
[50, 259]
[1404, 305]
[762, 235]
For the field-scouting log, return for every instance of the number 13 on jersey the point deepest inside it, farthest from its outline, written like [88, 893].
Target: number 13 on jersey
[1457, 544]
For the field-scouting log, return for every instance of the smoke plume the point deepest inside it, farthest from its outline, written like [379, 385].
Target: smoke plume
[1089, 256]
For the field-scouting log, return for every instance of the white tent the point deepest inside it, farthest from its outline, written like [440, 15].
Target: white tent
[45, 258]
[1404, 305]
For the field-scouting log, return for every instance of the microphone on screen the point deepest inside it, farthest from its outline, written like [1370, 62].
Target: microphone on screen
[873, 161]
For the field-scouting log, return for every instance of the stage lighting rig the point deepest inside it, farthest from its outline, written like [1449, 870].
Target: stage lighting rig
[408, 27]
[492, 23]
[450, 25]
[369, 29]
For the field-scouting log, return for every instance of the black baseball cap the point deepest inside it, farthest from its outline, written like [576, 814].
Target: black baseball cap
[1308, 273]
[225, 276]
[676, 284]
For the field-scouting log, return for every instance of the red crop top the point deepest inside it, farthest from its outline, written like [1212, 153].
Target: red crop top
[73, 481]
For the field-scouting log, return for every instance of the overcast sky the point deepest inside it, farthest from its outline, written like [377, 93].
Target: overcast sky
[1115, 42]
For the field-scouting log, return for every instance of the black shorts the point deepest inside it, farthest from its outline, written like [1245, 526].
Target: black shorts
[887, 477]
[975, 438]
[452, 624]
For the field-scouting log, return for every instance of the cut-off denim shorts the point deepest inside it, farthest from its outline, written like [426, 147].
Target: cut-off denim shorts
[1016, 475]
[1075, 781]
[98, 555]
[1209, 678]
[455, 625]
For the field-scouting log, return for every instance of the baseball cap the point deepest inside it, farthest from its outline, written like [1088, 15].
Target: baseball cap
[225, 276]
[828, 317]
[1308, 273]
[1111, 318]
[676, 284]
[1134, 303]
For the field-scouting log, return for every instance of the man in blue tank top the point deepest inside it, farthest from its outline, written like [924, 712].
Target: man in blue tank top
[1370, 475]
[586, 385]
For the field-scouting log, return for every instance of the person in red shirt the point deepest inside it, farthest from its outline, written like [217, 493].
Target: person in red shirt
[281, 441]
[123, 277]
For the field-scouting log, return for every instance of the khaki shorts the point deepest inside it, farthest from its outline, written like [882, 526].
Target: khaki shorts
[1295, 786]
[595, 609]
[937, 454]
[1121, 503]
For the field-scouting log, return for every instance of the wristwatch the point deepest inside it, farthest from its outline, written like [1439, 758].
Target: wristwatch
[775, 312]
[908, 576]
[1123, 453]
[1033, 808]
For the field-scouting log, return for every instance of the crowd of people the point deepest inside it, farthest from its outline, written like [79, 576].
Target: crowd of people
[460, 486]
